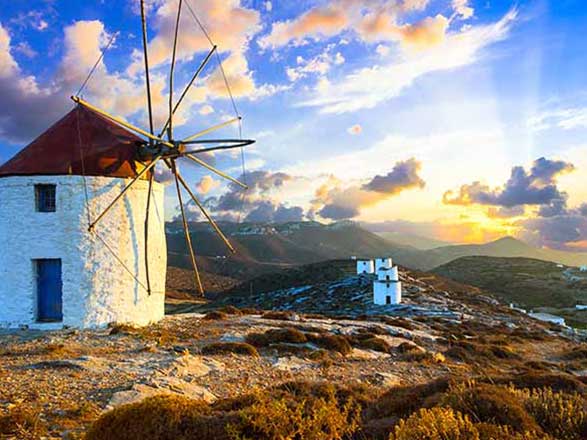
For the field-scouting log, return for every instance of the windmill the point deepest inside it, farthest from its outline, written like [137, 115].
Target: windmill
[164, 148]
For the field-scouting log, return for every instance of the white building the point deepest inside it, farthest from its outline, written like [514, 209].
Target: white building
[383, 262]
[388, 274]
[54, 272]
[547, 317]
[365, 267]
[387, 292]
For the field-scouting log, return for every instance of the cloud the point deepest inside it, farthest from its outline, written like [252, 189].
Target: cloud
[320, 64]
[268, 6]
[207, 184]
[323, 21]
[382, 50]
[534, 187]
[462, 9]
[335, 201]
[372, 21]
[355, 129]
[404, 175]
[261, 202]
[389, 80]
[563, 118]
[557, 232]
[24, 48]
[206, 110]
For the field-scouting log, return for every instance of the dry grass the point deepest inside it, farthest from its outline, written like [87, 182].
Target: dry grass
[492, 404]
[279, 315]
[276, 336]
[22, 422]
[289, 412]
[215, 315]
[230, 347]
[336, 343]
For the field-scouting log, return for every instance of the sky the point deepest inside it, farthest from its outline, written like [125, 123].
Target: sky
[460, 120]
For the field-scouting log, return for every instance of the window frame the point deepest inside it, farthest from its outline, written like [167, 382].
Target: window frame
[46, 197]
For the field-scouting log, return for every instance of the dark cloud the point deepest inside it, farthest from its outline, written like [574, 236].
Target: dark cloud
[336, 212]
[404, 175]
[536, 187]
[256, 203]
[557, 232]
[338, 203]
[505, 212]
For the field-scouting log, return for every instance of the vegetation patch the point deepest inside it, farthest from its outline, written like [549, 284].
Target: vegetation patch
[215, 315]
[230, 347]
[289, 412]
[336, 343]
[274, 336]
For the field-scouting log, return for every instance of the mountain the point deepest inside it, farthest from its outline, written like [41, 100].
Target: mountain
[413, 240]
[265, 248]
[505, 247]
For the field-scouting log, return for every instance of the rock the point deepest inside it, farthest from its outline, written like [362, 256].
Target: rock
[290, 363]
[386, 379]
[359, 353]
[164, 385]
[193, 366]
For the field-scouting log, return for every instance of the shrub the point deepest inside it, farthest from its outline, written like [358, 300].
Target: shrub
[404, 400]
[435, 424]
[538, 379]
[215, 315]
[563, 415]
[164, 417]
[289, 412]
[286, 418]
[490, 404]
[22, 423]
[373, 343]
[230, 347]
[273, 336]
[336, 343]
[231, 310]
[467, 351]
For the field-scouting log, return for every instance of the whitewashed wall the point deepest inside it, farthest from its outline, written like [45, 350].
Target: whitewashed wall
[365, 266]
[383, 262]
[382, 289]
[97, 289]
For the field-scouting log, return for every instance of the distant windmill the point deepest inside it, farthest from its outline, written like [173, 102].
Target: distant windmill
[166, 149]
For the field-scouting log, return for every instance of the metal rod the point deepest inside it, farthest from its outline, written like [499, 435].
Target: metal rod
[147, 78]
[221, 147]
[119, 196]
[170, 128]
[211, 129]
[187, 231]
[148, 278]
[125, 124]
[185, 91]
[214, 170]
[212, 222]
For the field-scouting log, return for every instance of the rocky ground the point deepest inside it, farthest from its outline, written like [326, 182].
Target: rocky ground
[55, 384]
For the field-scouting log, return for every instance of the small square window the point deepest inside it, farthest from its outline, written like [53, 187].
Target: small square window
[45, 198]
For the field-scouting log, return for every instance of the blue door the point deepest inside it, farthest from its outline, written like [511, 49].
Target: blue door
[49, 290]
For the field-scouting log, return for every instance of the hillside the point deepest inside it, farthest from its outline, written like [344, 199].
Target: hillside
[412, 240]
[207, 376]
[527, 282]
[267, 248]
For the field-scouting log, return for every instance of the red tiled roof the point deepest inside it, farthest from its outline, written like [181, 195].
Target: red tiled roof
[107, 149]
